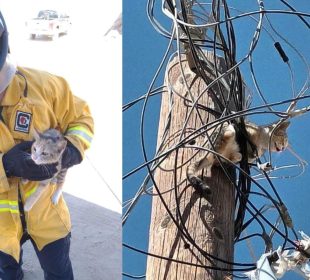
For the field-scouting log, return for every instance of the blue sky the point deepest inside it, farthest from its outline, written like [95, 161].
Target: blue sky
[143, 49]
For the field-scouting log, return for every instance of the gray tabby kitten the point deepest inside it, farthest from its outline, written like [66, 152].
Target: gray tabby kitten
[227, 146]
[48, 148]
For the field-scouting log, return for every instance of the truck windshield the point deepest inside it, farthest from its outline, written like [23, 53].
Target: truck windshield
[47, 14]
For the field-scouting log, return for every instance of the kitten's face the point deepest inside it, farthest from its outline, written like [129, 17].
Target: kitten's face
[46, 151]
[279, 139]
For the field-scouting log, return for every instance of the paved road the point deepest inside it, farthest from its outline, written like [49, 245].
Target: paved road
[95, 243]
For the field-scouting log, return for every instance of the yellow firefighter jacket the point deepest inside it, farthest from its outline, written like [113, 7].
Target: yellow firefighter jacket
[41, 101]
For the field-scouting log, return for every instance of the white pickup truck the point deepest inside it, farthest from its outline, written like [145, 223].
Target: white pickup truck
[50, 23]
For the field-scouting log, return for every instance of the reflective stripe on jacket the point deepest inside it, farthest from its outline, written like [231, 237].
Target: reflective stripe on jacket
[49, 104]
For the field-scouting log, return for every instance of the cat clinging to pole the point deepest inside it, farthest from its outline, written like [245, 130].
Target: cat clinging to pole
[263, 138]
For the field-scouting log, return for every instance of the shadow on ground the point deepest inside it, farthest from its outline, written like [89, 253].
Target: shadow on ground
[95, 244]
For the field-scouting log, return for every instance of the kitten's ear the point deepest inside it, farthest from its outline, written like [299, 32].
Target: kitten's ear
[284, 125]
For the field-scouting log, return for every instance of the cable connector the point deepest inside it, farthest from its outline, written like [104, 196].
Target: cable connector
[281, 52]
[264, 166]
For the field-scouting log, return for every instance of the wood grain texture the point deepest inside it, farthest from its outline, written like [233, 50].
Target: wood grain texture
[209, 221]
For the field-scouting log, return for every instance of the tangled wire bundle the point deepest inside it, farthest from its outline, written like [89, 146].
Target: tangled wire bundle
[211, 78]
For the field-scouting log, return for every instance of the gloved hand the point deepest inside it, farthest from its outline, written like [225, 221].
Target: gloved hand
[71, 156]
[17, 162]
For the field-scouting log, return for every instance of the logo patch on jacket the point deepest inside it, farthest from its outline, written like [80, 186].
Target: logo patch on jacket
[22, 122]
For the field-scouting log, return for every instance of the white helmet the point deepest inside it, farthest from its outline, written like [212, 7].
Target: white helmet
[7, 66]
[4, 46]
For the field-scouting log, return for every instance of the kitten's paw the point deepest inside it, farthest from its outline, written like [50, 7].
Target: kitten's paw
[27, 207]
[55, 198]
[229, 132]
[237, 157]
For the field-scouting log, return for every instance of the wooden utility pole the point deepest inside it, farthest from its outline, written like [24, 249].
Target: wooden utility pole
[209, 221]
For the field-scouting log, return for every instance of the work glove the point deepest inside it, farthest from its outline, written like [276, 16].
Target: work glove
[17, 162]
[71, 156]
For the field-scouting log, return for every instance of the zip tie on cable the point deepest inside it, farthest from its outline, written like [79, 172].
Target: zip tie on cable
[264, 166]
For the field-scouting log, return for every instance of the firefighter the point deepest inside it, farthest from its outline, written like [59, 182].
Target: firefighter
[31, 99]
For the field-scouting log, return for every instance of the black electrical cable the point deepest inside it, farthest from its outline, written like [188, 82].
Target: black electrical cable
[292, 8]
[183, 262]
[223, 41]
[246, 112]
[133, 276]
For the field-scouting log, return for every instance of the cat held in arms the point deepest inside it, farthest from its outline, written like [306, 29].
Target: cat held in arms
[226, 145]
[48, 148]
